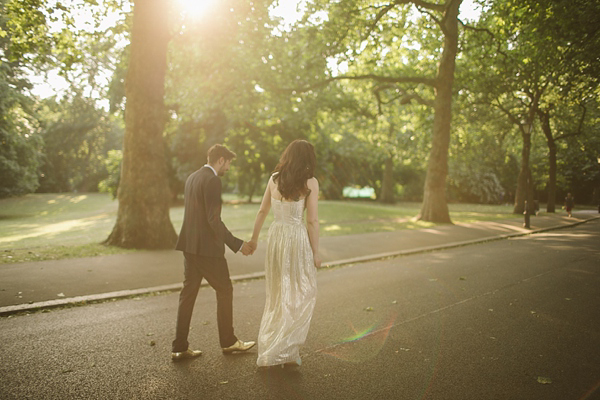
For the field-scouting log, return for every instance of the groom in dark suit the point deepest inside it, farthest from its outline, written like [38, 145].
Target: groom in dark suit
[202, 239]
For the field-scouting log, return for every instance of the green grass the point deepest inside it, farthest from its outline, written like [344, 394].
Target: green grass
[54, 226]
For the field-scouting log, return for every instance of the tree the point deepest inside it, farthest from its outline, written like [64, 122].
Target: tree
[143, 216]
[356, 27]
[544, 116]
[577, 161]
[20, 142]
[216, 94]
[77, 138]
[574, 28]
[20, 148]
[536, 54]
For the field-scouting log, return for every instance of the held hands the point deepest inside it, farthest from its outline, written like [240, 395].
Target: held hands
[253, 245]
[248, 248]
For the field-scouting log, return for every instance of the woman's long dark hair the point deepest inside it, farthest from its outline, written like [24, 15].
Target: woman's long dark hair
[296, 166]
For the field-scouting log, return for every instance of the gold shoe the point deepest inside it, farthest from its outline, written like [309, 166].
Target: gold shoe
[175, 356]
[239, 346]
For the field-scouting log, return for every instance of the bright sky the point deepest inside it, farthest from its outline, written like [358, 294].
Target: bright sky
[54, 84]
[290, 10]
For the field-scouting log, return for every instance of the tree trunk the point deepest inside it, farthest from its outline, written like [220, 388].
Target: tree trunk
[551, 205]
[545, 120]
[143, 216]
[387, 186]
[523, 183]
[435, 206]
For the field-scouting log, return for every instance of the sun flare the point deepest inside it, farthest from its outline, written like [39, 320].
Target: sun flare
[196, 8]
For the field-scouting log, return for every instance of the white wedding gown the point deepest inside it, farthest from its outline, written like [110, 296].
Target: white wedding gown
[291, 285]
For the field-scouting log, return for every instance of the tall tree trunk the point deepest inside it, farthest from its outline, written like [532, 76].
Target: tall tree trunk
[143, 216]
[545, 122]
[387, 186]
[435, 206]
[523, 182]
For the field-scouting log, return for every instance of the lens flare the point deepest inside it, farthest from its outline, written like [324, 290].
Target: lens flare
[363, 345]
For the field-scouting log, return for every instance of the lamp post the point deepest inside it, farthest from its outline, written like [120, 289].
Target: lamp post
[598, 188]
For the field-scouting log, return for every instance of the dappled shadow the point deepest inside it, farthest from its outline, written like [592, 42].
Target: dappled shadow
[497, 226]
[16, 216]
[562, 240]
[435, 231]
[52, 230]
[567, 239]
[281, 383]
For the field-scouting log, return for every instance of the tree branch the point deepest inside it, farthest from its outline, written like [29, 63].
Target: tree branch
[513, 119]
[437, 21]
[417, 3]
[579, 127]
[424, 4]
[490, 33]
[377, 78]
[378, 17]
[404, 97]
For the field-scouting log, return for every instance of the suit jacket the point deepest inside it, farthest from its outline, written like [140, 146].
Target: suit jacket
[203, 232]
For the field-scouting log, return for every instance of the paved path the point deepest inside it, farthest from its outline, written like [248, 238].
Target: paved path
[511, 319]
[34, 285]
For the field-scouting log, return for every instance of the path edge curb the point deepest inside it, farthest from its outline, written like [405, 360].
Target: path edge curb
[101, 297]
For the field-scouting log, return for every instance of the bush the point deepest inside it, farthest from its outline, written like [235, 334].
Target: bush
[473, 186]
[113, 166]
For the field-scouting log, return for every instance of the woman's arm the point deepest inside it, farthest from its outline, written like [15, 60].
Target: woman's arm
[263, 211]
[312, 218]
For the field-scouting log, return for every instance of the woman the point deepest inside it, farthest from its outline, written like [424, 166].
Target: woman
[292, 256]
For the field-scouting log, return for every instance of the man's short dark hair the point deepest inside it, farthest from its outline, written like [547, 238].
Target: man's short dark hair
[217, 151]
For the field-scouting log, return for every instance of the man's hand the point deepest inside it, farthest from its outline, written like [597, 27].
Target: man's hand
[247, 249]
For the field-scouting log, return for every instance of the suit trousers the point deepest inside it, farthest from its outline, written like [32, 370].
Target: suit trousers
[216, 273]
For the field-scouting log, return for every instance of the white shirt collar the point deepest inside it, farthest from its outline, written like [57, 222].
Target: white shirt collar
[210, 166]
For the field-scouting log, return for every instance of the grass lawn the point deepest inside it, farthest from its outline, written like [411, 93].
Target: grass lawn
[53, 226]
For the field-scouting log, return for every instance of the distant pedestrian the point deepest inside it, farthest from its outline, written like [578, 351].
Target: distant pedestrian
[202, 239]
[569, 204]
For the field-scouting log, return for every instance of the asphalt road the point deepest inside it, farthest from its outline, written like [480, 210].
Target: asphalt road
[513, 319]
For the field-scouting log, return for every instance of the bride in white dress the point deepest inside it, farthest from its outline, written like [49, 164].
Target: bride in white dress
[292, 256]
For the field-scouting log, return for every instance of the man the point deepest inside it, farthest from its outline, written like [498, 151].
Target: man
[569, 204]
[202, 239]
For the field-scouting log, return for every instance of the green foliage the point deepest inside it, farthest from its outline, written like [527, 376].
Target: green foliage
[237, 77]
[113, 163]
[218, 74]
[40, 227]
[579, 164]
[257, 156]
[528, 58]
[66, 140]
[77, 137]
[27, 29]
[19, 154]
[467, 184]
[20, 142]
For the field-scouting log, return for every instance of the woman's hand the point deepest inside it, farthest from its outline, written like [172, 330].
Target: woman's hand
[317, 260]
[253, 245]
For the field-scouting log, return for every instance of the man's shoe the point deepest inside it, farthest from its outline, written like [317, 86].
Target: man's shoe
[176, 356]
[239, 346]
